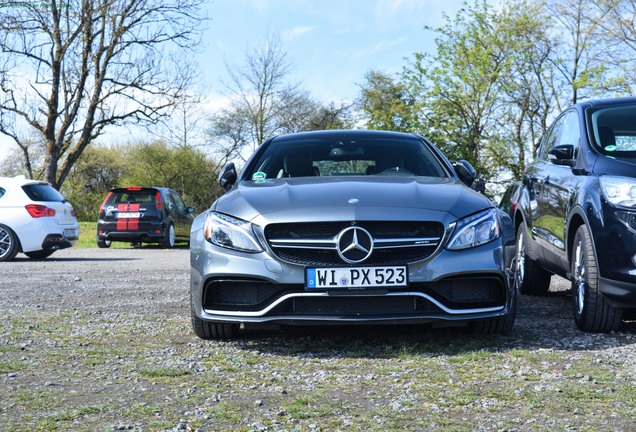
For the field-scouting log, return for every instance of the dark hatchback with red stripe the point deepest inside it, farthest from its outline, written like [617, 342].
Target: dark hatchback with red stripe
[143, 215]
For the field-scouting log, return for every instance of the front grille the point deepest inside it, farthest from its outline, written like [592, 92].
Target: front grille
[395, 242]
[358, 306]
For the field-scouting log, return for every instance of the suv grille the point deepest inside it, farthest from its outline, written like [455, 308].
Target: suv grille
[315, 243]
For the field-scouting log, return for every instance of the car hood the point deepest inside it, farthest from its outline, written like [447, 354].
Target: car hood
[366, 198]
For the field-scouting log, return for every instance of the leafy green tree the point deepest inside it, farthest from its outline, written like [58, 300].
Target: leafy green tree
[528, 90]
[331, 117]
[464, 83]
[386, 103]
[185, 169]
[95, 173]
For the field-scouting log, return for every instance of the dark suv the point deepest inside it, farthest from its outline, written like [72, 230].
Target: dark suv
[143, 214]
[575, 212]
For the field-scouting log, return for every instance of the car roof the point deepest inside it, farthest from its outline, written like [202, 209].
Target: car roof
[345, 134]
[138, 188]
[21, 180]
[594, 103]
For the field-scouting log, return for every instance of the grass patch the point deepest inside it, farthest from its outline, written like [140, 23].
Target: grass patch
[87, 239]
[163, 371]
[10, 366]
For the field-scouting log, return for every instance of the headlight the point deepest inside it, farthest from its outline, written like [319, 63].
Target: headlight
[620, 191]
[476, 230]
[229, 232]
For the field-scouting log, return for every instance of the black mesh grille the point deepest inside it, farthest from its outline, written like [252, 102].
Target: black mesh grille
[358, 307]
[460, 293]
[379, 230]
[246, 294]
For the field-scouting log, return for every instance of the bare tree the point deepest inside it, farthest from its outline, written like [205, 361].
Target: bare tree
[184, 127]
[619, 25]
[585, 56]
[70, 68]
[262, 96]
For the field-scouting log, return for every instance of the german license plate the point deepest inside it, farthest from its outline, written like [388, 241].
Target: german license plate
[128, 215]
[355, 277]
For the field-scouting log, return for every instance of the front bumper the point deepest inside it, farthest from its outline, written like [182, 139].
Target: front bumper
[451, 286]
[614, 238]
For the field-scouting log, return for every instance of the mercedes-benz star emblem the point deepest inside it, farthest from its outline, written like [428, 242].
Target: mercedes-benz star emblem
[355, 244]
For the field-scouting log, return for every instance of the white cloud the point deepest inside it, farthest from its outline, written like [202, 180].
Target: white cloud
[293, 33]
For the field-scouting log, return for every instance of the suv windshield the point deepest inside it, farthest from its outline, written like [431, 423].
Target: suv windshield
[614, 131]
[324, 157]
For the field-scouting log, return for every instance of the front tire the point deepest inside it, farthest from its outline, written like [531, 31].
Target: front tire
[212, 330]
[530, 279]
[8, 243]
[592, 311]
[500, 325]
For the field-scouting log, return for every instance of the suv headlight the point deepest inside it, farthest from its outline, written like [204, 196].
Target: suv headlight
[476, 230]
[229, 232]
[619, 191]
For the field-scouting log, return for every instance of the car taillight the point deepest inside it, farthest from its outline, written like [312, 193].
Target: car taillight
[36, 210]
[159, 203]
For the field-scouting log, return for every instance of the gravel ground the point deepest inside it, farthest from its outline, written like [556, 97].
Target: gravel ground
[96, 340]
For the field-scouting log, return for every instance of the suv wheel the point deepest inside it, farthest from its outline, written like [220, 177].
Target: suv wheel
[8, 243]
[530, 279]
[168, 241]
[592, 311]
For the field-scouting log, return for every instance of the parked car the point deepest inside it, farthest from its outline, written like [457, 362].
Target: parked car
[143, 215]
[35, 219]
[575, 212]
[350, 227]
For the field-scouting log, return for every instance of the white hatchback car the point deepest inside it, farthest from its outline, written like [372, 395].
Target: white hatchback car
[35, 219]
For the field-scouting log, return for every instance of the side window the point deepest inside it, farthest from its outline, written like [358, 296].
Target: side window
[571, 130]
[169, 201]
[181, 208]
[551, 139]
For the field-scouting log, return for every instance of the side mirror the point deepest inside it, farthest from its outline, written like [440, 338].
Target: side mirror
[465, 172]
[562, 155]
[190, 209]
[228, 176]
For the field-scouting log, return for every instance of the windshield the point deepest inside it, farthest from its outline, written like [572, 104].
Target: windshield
[311, 157]
[614, 130]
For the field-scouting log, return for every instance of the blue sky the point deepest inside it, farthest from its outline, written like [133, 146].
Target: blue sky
[330, 44]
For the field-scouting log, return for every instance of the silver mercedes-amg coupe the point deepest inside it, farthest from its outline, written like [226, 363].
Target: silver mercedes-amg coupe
[350, 227]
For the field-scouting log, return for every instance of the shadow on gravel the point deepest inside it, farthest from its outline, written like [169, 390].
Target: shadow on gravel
[73, 259]
[543, 323]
